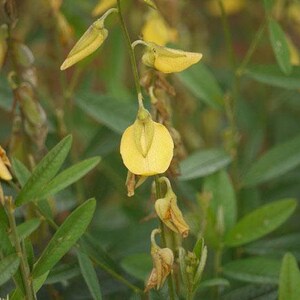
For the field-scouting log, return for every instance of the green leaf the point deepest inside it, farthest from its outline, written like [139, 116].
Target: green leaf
[114, 113]
[280, 46]
[89, 275]
[44, 171]
[8, 267]
[260, 222]
[223, 195]
[69, 176]
[254, 269]
[63, 272]
[27, 228]
[289, 280]
[272, 75]
[213, 282]
[21, 171]
[268, 5]
[277, 161]
[203, 163]
[138, 265]
[5, 244]
[65, 237]
[202, 84]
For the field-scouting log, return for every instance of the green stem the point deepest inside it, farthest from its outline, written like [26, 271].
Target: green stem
[132, 56]
[24, 268]
[164, 238]
[251, 49]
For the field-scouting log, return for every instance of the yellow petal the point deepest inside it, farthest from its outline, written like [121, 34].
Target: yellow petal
[102, 6]
[88, 43]
[4, 173]
[156, 30]
[159, 155]
[231, 7]
[169, 60]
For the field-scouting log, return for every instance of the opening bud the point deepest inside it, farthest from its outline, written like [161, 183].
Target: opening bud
[168, 211]
[167, 60]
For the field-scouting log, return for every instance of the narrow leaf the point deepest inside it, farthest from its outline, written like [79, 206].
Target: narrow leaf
[65, 237]
[27, 228]
[44, 171]
[277, 161]
[89, 275]
[68, 176]
[260, 222]
[280, 46]
[114, 113]
[202, 84]
[203, 163]
[272, 75]
[221, 189]
[8, 267]
[289, 280]
[254, 269]
[21, 171]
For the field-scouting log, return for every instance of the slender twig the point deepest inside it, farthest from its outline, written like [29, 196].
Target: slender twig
[132, 56]
[24, 268]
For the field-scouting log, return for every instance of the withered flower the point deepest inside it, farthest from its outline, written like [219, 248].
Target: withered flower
[163, 259]
[168, 211]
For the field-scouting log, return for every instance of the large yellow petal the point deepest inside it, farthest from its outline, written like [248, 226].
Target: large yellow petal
[4, 173]
[158, 157]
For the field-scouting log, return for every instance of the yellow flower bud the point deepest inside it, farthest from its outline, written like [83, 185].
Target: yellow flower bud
[4, 163]
[168, 211]
[163, 259]
[91, 40]
[146, 146]
[169, 60]
[156, 30]
[102, 6]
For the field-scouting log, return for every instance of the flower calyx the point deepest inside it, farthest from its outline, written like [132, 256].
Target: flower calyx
[169, 212]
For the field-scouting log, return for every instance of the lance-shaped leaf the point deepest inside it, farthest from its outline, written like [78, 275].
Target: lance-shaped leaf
[44, 171]
[65, 237]
[8, 267]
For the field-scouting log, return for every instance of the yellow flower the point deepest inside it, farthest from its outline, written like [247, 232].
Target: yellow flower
[168, 60]
[146, 146]
[231, 7]
[168, 211]
[163, 259]
[156, 30]
[91, 40]
[4, 163]
[102, 6]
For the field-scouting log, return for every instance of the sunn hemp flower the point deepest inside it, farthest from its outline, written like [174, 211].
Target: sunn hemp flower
[146, 146]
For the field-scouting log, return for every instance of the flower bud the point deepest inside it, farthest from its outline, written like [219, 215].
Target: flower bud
[4, 163]
[146, 146]
[91, 40]
[163, 259]
[167, 60]
[168, 211]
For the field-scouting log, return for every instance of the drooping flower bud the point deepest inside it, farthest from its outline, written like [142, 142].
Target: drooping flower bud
[4, 164]
[163, 259]
[146, 146]
[156, 30]
[168, 60]
[91, 40]
[168, 211]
